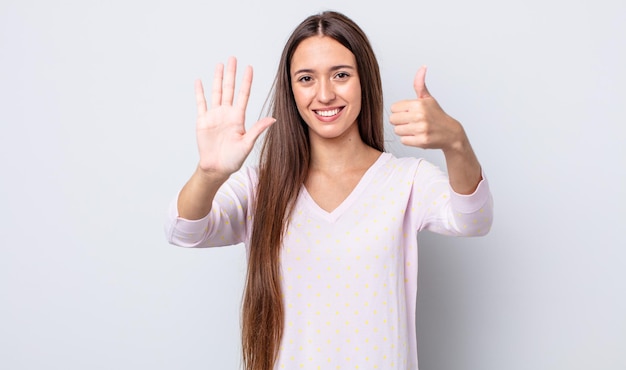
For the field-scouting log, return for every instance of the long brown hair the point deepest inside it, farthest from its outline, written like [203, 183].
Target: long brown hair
[283, 168]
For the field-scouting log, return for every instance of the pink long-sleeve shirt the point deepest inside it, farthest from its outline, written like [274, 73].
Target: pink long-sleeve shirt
[349, 276]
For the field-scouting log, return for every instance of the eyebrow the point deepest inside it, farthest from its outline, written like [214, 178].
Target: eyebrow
[332, 69]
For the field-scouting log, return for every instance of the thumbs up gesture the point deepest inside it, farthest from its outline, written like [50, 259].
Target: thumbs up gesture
[422, 123]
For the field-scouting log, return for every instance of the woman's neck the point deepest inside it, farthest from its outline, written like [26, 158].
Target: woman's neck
[341, 154]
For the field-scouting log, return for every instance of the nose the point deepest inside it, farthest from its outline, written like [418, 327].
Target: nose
[325, 92]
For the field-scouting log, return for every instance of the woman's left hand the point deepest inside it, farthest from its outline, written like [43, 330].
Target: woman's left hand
[422, 123]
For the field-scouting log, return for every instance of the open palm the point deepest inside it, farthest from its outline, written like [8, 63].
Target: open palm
[223, 142]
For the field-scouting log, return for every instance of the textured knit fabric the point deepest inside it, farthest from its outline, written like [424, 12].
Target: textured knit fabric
[349, 276]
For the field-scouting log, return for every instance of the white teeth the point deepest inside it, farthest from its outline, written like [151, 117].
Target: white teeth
[327, 113]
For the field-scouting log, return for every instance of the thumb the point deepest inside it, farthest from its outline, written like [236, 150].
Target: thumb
[419, 83]
[257, 129]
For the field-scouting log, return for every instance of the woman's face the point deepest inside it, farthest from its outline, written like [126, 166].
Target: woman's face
[326, 87]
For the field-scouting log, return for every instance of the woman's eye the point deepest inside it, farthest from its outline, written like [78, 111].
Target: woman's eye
[342, 75]
[305, 79]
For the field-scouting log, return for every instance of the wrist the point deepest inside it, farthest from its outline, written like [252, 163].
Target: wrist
[210, 176]
[459, 145]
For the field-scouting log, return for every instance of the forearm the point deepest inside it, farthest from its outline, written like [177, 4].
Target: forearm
[463, 167]
[196, 197]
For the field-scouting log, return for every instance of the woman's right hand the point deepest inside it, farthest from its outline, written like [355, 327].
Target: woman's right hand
[223, 142]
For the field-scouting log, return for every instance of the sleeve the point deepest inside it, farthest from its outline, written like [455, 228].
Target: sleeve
[444, 211]
[229, 221]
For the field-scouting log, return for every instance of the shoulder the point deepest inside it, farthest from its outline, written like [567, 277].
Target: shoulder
[411, 170]
[398, 165]
[248, 175]
[241, 184]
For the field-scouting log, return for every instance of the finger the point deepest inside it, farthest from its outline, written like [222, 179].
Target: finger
[410, 116]
[413, 141]
[229, 81]
[422, 140]
[419, 84]
[216, 92]
[401, 106]
[410, 129]
[200, 100]
[401, 130]
[244, 90]
[407, 138]
[401, 118]
[257, 129]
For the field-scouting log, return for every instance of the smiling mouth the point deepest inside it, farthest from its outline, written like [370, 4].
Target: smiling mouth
[328, 113]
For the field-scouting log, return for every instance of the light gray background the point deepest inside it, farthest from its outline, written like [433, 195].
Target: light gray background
[97, 133]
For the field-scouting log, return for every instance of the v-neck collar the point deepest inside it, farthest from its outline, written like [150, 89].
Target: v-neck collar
[334, 215]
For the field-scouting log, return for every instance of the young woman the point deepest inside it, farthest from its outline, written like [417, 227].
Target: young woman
[329, 220]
